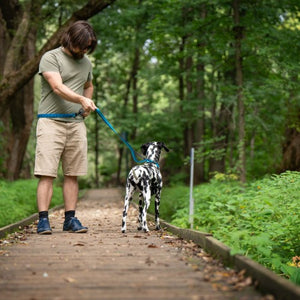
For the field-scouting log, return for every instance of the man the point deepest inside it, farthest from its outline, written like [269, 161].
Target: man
[66, 80]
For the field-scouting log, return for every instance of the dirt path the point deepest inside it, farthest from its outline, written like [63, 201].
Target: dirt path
[106, 264]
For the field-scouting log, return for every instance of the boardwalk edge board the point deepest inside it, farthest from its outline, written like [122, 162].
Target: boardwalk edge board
[267, 281]
[11, 228]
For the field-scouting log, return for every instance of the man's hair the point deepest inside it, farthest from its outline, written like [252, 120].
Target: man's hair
[80, 35]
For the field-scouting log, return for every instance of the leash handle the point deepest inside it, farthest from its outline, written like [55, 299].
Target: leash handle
[98, 111]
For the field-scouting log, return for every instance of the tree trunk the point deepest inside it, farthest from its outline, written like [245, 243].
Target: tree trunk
[199, 173]
[291, 150]
[181, 71]
[188, 130]
[199, 130]
[135, 69]
[291, 145]
[238, 30]
[220, 136]
[121, 147]
[19, 63]
[18, 119]
[16, 79]
[132, 80]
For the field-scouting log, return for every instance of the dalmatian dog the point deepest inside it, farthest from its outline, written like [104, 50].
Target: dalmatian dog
[147, 178]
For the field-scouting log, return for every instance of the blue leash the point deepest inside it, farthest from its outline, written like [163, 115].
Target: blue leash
[124, 141]
[81, 112]
[74, 115]
[57, 115]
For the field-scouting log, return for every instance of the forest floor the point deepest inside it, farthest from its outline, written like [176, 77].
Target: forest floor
[107, 264]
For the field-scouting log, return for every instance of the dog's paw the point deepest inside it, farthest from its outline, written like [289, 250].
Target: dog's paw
[157, 227]
[145, 230]
[123, 230]
[139, 228]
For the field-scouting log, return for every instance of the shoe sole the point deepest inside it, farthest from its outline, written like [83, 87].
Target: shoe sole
[45, 232]
[78, 231]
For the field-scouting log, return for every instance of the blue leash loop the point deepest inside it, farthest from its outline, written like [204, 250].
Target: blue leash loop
[124, 141]
[74, 115]
[56, 115]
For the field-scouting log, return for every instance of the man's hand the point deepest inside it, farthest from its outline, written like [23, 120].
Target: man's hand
[88, 105]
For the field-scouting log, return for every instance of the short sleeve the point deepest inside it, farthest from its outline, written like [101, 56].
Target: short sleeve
[48, 63]
[90, 76]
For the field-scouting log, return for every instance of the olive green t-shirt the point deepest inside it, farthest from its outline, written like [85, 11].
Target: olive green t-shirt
[74, 73]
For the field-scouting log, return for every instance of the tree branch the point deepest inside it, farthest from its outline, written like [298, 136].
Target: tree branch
[15, 80]
[17, 42]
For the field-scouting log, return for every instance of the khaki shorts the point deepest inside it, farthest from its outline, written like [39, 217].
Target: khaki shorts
[65, 141]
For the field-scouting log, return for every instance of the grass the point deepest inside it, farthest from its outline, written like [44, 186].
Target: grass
[260, 220]
[18, 200]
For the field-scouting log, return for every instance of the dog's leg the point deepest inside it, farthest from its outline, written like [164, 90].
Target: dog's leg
[140, 226]
[129, 192]
[157, 203]
[147, 198]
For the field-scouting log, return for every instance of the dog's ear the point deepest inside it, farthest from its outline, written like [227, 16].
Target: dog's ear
[165, 147]
[144, 148]
[162, 145]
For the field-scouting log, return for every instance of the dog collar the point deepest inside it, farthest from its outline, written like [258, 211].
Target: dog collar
[152, 162]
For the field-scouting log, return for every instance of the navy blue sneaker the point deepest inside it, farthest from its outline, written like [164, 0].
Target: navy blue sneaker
[44, 226]
[74, 225]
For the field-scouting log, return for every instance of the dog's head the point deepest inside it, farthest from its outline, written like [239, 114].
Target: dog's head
[152, 150]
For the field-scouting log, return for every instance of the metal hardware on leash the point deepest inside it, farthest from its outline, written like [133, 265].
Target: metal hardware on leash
[80, 113]
[98, 111]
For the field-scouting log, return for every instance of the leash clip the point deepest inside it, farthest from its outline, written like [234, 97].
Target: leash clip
[80, 113]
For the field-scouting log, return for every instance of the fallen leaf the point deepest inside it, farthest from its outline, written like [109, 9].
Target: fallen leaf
[69, 279]
[168, 237]
[79, 244]
[244, 283]
[207, 258]
[139, 236]
[149, 261]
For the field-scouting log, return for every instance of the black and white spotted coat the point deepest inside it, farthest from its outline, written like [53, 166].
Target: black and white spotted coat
[147, 178]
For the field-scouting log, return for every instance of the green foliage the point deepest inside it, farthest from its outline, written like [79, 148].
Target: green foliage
[205, 150]
[1, 146]
[173, 200]
[18, 200]
[292, 272]
[167, 35]
[260, 219]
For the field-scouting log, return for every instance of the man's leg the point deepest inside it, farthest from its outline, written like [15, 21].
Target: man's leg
[44, 195]
[70, 192]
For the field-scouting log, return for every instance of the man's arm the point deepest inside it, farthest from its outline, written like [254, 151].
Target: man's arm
[88, 89]
[55, 81]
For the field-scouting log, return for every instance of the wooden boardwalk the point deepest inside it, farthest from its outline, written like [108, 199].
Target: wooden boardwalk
[106, 264]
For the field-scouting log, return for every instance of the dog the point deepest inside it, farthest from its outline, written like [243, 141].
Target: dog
[147, 178]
